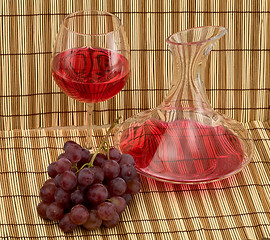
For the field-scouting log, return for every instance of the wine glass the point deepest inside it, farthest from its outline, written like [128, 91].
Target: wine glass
[90, 60]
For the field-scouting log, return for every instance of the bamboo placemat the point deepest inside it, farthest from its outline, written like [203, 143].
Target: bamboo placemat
[234, 208]
[238, 67]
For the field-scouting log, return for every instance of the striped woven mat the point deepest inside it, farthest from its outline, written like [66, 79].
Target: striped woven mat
[234, 208]
[237, 82]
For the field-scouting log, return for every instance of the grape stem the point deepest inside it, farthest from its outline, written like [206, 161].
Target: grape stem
[102, 145]
[107, 148]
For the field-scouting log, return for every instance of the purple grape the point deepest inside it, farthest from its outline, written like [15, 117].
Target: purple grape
[133, 186]
[119, 203]
[127, 159]
[86, 156]
[56, 180]
[79, 214]
[62, 165]
[127, 197]
[77, 197]
[67, 180]
[62, 196]
[66, 224]
[100, 159]
[41, 209]
[62, 155]
[117, 186]
[69, 143]
[83, 189]
[98, 174]
[51, 170]
[111, 223]
[128, 172]
[97, 193]
[111, 169]
[106, 211]
[46, 193]
[93, 221]
[114, 154]
[49, 181]
[55, 211]
[85, 177]
[73, 153]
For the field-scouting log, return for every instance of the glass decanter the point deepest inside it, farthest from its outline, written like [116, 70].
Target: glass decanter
[184, 140]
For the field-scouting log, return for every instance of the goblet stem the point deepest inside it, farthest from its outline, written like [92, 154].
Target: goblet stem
[89, 119]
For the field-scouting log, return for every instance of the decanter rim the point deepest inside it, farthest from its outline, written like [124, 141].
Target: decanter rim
[221, 34]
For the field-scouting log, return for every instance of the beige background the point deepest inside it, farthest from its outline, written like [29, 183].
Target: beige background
[238, 67]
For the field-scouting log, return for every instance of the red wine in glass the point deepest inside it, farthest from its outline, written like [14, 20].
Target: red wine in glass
[183, 150]
[90, 74]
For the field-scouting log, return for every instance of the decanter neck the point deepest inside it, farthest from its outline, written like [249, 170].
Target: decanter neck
[190, 50]
[188, 73]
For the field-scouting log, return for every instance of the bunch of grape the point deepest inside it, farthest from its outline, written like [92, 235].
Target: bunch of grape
[88, 189]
